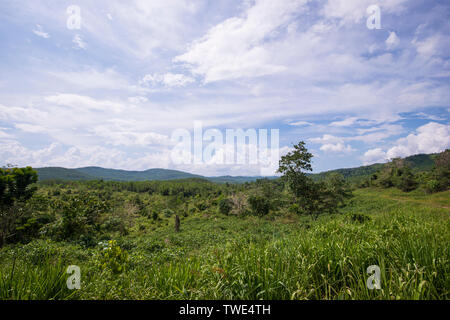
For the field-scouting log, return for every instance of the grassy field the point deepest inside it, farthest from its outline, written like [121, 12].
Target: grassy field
[276, 257]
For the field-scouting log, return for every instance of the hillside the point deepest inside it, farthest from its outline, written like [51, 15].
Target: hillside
[97, 173]
[420, 162]
[125, 175]
[59, 173]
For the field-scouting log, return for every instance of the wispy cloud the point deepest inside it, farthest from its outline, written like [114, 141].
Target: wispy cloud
[146, 68]
[39, 31]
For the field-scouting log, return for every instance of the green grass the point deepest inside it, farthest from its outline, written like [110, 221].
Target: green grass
[277, 257]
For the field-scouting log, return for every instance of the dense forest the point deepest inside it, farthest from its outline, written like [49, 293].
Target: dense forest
[300, 236]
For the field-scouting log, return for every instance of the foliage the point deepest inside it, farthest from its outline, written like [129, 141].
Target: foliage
[249, 257]
[80, 215]
[264, 248]
[441, 172]
[312, 197]
[113, 258]
[225, 206]
[15, 188]
[259, 205]
[396, 174]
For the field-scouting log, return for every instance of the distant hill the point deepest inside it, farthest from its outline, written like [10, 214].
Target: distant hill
[95, 173]
[420, 162]
[238, 179]
[62, 174]
[125, 175]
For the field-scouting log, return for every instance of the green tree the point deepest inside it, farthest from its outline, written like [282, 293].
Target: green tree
[337, 191]
[80, 216]
[442, 170]
[294, 166]
[397, 174]
[405, 180]
[225, 206]
[15, 189]
[311, 197]
[260, 205]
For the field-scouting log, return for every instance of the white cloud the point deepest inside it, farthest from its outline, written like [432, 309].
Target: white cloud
[137, 100]
[423, 115]
[239, 46]
[374, 156]
[338, 148]
[88, 78]
[353, 11]
[281, 59]
[30, 127]
[430, 138]
[344, 123]
[79, 102]
[141, 27]
[116, 136]
[332, 143]
[40, 32]
[327, 138]
[167, 79]
[300, 123]
[4, 135]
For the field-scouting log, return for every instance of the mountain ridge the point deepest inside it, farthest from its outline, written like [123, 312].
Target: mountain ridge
[419, 162]
[96, 173]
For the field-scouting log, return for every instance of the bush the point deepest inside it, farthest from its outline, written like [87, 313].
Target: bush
[80, 215]
[113, 258]
[225, 205]
[432, 186]
[260, 205]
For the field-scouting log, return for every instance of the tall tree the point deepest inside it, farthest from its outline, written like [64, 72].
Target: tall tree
[15, 190]
[312, 197]
[294, 166]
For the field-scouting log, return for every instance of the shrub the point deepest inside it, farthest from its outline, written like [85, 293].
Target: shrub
[432, 186]
[113, 258]
[225, 205]
[260, 205]
[16, 187]
[80, 215]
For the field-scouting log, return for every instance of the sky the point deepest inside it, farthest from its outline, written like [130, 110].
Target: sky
[107, 83]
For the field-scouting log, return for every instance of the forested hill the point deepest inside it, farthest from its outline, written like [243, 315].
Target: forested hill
[420, 162]
[95, 173]
[125, 175]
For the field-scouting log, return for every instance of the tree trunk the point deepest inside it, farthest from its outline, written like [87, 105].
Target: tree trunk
[177, 223]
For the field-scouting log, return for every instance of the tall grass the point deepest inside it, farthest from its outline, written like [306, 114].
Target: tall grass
[46, 281]
[235, 258]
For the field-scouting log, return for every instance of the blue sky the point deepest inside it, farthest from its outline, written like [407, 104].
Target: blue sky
[112, 92]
